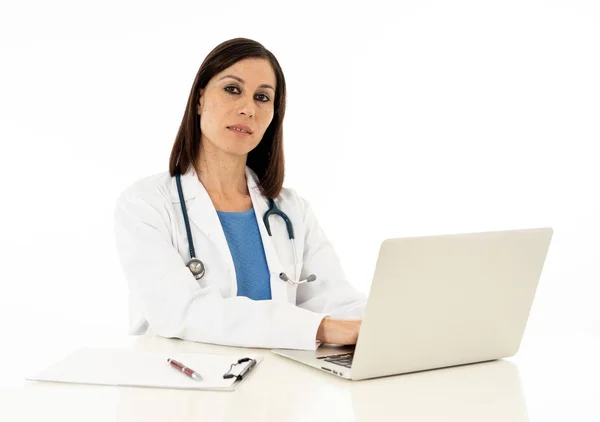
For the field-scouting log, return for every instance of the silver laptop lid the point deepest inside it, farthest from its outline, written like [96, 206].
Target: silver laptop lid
[438, 301]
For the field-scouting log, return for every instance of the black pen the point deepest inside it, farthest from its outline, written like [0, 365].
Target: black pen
[247, 368]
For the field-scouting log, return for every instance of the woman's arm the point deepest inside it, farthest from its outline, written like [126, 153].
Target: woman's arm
[176, 306]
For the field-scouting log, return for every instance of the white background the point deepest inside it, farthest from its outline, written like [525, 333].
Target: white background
[431, 117]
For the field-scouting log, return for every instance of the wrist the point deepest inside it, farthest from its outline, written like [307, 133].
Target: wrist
[321, 331]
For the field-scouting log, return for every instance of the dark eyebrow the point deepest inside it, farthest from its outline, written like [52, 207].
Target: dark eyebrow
[242, 81]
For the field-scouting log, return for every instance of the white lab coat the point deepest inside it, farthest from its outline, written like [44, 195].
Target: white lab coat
[166, 299]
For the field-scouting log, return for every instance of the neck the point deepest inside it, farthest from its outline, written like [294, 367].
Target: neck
[221, 174]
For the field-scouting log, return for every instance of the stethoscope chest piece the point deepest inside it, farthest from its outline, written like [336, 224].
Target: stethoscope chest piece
[196, 267]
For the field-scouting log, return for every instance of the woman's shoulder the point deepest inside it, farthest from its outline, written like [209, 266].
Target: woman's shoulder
[152, 188]
[291, 195]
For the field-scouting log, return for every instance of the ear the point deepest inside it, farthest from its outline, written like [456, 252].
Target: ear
[200, 99]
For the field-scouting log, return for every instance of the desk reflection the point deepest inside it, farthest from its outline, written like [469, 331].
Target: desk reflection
[489, 391]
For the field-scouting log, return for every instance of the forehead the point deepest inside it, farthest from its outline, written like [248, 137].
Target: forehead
[254, 71]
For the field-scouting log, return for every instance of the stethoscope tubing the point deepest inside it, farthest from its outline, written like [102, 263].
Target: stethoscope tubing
[273, 210]
[186, 220]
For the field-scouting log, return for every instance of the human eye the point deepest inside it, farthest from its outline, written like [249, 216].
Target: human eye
[230, 89]
[267, 99]
[231, 86]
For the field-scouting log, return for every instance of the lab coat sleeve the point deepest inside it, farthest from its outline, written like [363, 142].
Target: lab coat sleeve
[175, 306]
[331, 293]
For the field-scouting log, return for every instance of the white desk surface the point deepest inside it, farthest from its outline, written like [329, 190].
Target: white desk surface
[549, 379]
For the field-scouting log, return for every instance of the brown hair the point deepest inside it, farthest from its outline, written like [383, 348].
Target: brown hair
[266, 160]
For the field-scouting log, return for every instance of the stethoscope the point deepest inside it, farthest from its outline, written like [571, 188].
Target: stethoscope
[197, 267]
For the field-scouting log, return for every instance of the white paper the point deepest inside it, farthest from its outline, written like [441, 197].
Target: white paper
[137, 368]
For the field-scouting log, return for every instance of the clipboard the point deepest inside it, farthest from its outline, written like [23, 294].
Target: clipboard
[141, 368]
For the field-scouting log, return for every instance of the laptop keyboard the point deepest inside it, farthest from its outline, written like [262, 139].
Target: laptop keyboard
[342, 360]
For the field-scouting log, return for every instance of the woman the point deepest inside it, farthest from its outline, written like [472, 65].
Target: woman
[250, 286]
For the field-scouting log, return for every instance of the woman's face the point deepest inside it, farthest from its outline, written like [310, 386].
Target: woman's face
[242, 94]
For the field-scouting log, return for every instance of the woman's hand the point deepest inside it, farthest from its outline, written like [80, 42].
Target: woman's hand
[338, 331]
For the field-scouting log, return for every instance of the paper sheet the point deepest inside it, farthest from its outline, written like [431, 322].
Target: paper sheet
[144, 369]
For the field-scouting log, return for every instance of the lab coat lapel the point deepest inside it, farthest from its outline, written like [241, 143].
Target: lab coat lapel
[259, 202]
[203, 216]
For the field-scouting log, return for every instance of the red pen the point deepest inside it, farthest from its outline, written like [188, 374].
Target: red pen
[187, 371]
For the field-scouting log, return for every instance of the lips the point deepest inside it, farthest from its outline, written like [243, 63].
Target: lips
[243, 127]
[238, 133]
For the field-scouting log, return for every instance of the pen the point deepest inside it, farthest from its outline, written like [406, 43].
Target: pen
[187, 371]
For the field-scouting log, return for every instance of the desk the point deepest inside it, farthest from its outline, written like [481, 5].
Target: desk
[283, 390]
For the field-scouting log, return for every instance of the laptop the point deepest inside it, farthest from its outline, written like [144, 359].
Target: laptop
[440, 301]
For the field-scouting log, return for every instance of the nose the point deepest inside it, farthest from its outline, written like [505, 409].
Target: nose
[247, 107]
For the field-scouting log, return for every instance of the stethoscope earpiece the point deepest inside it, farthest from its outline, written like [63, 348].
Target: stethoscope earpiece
[308, 279]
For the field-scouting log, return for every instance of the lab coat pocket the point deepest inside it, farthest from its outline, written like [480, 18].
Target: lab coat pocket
[291, 292]
[281, 290]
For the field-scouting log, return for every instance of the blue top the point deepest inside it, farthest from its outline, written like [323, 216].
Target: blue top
[243, 236]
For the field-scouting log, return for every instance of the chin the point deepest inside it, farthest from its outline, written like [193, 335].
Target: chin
[239, 148]
[237, 151]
